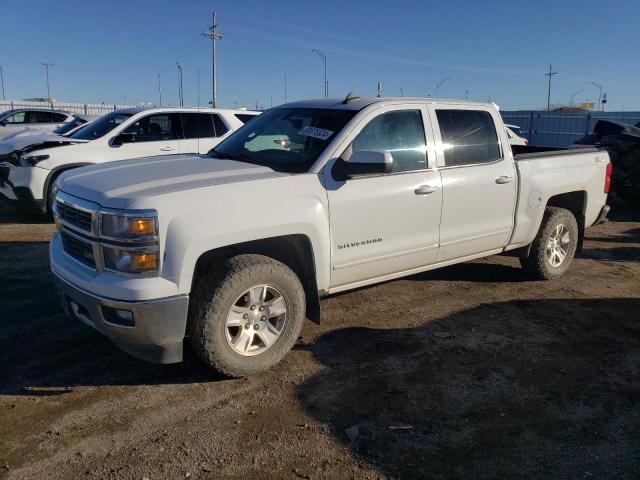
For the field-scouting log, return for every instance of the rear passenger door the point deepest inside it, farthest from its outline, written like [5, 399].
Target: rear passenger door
[154, 134]
[202, 131]
[478, 181]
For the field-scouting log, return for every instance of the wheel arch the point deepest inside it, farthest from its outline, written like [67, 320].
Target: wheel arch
[295, 251]
[576, 203]
[54, 174]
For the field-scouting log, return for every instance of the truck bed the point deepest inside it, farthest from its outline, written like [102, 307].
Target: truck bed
[526, 152]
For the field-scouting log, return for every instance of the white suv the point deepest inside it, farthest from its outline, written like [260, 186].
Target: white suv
[27, 175]
[32, 120]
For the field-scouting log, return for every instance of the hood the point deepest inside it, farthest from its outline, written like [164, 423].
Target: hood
[117, 184]
[34, 141]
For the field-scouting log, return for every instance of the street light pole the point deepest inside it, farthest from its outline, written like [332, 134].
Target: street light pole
[440, 84]
[599, 87]
[326, 84]
[159, 91]
[180, 92]
[46, 68]
[2, 80]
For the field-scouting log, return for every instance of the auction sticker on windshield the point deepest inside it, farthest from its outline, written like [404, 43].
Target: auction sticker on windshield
[315, 132]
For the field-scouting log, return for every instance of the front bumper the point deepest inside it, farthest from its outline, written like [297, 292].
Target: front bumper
[158, 328]
[15, 188]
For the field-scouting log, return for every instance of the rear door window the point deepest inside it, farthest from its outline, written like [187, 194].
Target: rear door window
[197, 125]
[40, 117]
[58, 117]
[468, 137]
[244, 117]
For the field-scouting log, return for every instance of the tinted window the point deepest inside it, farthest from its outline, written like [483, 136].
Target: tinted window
[244, 117]
[284, 139]
[58, 117]
[197, 125]
[468, 137]
[101, 126]
[400, 133]
[18, 117]
[40, 117]
[67, 127]
[221, 128]
[153, 128]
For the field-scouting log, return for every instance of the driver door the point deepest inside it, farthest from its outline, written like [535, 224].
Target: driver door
[389, 223]
[155, 134]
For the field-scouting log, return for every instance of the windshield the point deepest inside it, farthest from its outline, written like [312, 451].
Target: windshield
[101, 126]
[67, 127]
[285, 139]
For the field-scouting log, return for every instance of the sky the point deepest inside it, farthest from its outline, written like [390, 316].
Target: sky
[113, 51]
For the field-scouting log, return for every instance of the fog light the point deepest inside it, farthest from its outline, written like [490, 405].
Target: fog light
[116, 316]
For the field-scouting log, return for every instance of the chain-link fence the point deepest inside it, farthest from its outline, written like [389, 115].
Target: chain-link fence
[86, 108]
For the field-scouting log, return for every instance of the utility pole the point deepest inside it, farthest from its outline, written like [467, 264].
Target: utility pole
[2, 80]
[324, 59]
[466, 94]
[440, 83]
[159, 91]
[285, 86]
[379, 89]
[124, 99]
[213, 35]
[401, 92]
[550, 74]
[46, 68]
[270, 102]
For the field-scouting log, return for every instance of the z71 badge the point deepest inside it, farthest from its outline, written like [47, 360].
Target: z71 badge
[359, 244]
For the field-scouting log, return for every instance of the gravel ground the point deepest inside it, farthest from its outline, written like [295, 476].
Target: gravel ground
[472, 371]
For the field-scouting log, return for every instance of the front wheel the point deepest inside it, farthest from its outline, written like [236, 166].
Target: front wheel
[246, 314]
[555, 245]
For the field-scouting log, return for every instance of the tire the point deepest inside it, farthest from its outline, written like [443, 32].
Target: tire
[238, 351]
[542, 263]
[50, 196]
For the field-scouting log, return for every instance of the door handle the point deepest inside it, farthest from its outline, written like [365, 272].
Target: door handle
[167, 149]
[425, 190]
[504, 179]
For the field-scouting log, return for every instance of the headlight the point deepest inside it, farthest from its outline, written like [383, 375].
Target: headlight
[130, 226]
[130, 261]
[30, 161]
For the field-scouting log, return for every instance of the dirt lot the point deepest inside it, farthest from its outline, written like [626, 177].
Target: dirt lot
[468, 372]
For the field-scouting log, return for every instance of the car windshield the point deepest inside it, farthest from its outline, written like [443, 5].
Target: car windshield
[284, 139]
[67, 127]
[102, 126]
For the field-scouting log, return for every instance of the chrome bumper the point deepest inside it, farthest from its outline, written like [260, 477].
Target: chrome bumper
[153, 330]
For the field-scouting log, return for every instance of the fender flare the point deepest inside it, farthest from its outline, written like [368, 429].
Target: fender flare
[54, 172]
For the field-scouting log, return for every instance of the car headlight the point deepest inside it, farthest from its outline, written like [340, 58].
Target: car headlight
[130, 226]
[130, 261]
[30, 161]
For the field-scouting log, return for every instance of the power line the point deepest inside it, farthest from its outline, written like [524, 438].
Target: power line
[550, 74]
[213, 36]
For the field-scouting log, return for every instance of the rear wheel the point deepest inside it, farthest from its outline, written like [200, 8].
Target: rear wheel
[555, 245]
[246, 314]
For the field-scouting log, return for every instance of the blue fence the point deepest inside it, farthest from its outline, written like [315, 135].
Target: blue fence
[561, 129]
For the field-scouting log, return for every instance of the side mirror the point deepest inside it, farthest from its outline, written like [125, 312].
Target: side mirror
[123, 138]
[367, 162]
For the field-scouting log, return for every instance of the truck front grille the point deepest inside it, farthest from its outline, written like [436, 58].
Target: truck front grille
[74, 216]
[78, 249]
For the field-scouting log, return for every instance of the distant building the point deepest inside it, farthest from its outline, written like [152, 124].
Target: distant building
[578, 107]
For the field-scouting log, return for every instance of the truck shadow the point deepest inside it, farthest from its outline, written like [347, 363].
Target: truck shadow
[519, 389]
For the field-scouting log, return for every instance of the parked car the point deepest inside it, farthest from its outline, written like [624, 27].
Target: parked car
[234, 249]
[32, 120]
[27, 175]
[515, 135]
[18, 141]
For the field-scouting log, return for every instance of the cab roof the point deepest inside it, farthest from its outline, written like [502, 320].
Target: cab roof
[358, 103]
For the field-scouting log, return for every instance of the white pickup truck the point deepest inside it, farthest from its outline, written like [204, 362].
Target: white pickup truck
[233, 250]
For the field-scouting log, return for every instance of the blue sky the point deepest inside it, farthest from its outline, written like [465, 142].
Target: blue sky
[103, 51]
